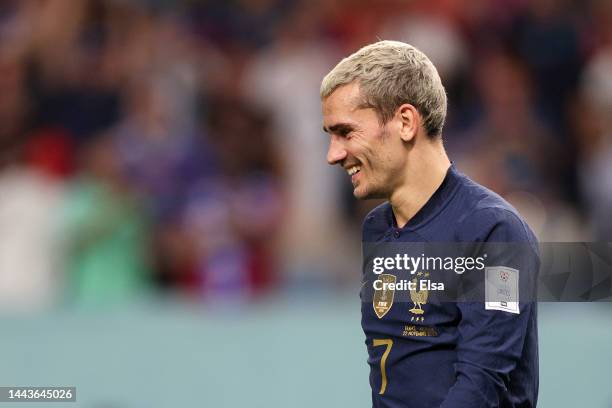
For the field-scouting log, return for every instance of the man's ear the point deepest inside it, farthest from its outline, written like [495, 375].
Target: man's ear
[410, 120]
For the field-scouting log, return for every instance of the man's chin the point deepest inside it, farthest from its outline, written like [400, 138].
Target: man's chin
[361, 193]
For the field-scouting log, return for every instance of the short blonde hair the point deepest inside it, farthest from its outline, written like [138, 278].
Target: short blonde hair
[391, 73]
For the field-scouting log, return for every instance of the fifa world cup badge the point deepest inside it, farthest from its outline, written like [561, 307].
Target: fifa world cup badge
[502, 289]
[383, 297]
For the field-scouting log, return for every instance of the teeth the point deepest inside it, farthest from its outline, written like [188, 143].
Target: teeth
[353, 170]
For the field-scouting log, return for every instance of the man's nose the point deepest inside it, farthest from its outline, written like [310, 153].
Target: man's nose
[336, 151]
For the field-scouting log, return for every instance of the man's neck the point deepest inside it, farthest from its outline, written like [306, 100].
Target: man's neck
[424, 175]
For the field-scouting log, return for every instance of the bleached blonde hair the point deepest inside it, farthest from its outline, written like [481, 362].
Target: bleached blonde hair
[389, 74]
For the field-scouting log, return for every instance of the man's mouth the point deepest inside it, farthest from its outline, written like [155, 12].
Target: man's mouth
[353, 170]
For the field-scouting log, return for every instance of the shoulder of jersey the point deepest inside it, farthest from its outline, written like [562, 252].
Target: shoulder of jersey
[376, 223]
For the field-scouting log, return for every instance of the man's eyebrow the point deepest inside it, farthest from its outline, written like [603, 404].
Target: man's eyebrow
[337, 128]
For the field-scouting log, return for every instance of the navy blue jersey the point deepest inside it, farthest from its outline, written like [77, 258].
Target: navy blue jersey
[424, 354]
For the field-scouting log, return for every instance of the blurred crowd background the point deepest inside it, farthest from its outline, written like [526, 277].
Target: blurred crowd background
[175, 147]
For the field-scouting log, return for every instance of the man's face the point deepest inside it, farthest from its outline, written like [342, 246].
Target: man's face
[372, 154]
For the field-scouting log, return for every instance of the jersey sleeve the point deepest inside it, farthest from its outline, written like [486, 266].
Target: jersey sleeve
[493, 342]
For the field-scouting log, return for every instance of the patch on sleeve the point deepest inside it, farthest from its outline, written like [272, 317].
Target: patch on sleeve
[502, 289]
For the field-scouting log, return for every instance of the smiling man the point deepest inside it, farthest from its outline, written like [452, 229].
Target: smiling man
[384, 108]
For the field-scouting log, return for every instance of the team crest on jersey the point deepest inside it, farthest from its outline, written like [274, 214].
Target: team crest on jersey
[419, 298]
[383, 298]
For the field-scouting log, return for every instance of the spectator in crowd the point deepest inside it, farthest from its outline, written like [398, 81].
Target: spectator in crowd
[104, 232]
